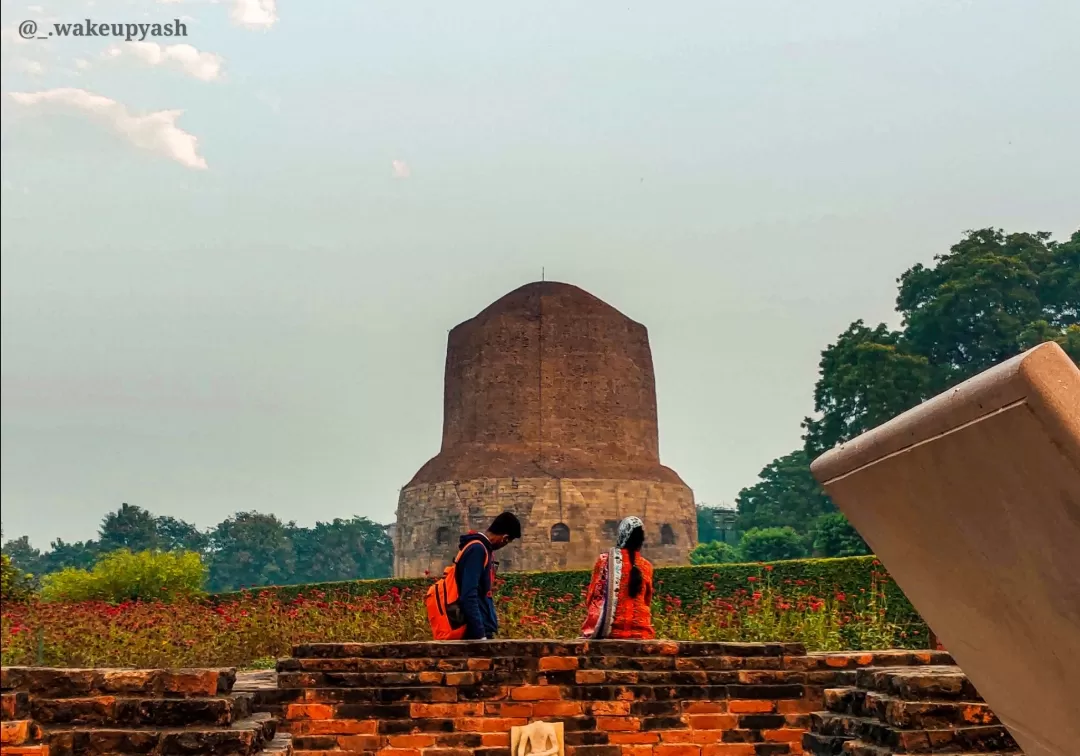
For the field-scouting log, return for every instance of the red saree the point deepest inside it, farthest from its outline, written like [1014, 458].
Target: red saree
[610, 611]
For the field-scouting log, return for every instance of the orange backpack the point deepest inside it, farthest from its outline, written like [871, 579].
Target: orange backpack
[444, 613]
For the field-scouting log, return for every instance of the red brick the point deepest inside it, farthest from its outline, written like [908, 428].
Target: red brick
[487, 724]
[692, 737]
[705, 707]
[677, 750]
[445, 711]
[729, 749]
[618, 724]
[479, 665]
[309, 711]
[535, 693]
[411, 741]
[590, 677]
[712, 721]
[358, 742]
[460, 678]
[395, 752]
[432, 678]
[15, 733]
[334, 727]
[609, 708]
[798, 706]
[495, 740]
[560, 709]
[751, 707]
[510, 709]
[637, 750]
[558, 663]
[633, 738]
[783, 736]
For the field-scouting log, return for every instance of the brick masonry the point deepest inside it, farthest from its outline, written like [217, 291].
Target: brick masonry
[907, 710]
[591, 509]
[613, 697]
[549, 410]
[97, 712]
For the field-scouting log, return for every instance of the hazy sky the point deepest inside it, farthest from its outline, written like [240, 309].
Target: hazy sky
[229, 269]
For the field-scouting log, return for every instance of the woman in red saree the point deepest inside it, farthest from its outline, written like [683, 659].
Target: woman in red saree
[619, 600]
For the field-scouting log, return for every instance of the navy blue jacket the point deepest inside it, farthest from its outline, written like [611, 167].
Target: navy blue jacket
[474, 588]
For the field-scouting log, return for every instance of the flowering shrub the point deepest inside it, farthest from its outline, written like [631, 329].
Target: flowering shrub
[252, 628]
[124, 576]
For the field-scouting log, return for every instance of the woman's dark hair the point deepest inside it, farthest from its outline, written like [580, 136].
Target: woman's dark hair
[633, 546]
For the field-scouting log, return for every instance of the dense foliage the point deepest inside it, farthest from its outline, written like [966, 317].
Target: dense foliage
[826, 604]
[991, 297]
[122, 575]
[246, 550]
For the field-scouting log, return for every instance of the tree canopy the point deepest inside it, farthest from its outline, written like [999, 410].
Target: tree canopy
[248, 549]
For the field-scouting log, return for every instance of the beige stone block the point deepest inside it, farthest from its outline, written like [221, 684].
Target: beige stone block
[972, 503]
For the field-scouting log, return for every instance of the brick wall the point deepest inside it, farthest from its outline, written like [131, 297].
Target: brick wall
[613, 697]
[591, 509]
[80, 712]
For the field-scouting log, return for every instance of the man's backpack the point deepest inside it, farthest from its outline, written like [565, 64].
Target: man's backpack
[444, 611]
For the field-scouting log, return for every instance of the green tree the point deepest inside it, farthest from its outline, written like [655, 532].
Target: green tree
[25, 557]
[992, 296]
[979, 304]
[353, 549]
[251, 549]
[772, 544]
[129, 527]
[835, 536]
[785, 496]
[867, 377]
[61, 555]
[715, 552]
[174, 534]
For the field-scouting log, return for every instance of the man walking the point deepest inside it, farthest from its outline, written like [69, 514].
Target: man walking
[460, 605]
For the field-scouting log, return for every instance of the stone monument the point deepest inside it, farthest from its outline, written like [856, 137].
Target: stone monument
[549, 411]
[972, 502]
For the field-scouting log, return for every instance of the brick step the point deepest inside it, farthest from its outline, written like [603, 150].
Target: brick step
[336, 659]
[124, 712]
[540, 648]
[859, 748]
[17, 732]
[47, 682]
[932, 683]
[245, 737]
[971, 738]
[281, 745]
[907, 714]
[14, 705]
[817, 744]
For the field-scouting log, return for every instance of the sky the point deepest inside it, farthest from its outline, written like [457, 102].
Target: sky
[230, 259]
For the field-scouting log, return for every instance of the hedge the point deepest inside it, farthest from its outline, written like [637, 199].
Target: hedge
[850, 575]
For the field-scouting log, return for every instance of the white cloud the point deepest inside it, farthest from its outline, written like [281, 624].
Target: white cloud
[27, 66]
[401, 169]
[201, 65]
[254, 14]
[35, 9]
[155, 132]
[82, 64]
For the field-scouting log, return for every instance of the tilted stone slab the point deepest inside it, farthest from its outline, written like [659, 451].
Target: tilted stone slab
[972, 502]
